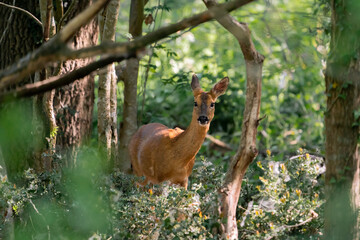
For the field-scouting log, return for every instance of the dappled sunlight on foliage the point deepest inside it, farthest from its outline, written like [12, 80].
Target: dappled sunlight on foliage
[282, 193]
[289, 199]
[294, 45]
[86, 202]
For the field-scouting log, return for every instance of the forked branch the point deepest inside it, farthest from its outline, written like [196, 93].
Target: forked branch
[247, 150]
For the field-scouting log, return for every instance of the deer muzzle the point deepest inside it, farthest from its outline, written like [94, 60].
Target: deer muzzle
[203, 120]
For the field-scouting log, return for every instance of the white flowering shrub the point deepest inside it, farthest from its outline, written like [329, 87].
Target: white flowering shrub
[288, 201]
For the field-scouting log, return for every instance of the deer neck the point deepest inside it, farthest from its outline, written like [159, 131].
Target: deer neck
[189, 142]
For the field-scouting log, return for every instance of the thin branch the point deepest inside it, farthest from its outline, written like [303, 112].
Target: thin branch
[67, 13]
[42, 216]
[85, 16]
[8, 23]
[302, 223]
[36, 210]
[55, 50]
[304, 155]
[59, 11]
[176, 36]
[47, 23]
[24, 11]
[148, 66]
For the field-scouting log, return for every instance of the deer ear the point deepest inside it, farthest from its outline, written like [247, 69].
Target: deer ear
[220, 87]
[195, 85]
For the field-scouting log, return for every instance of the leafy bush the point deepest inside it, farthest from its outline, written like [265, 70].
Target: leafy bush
[165, 211]
[289, 200]
[84, 202]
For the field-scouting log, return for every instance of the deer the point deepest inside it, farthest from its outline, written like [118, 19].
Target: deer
[163, 154]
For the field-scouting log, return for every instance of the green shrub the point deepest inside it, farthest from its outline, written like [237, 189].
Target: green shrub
[288, 201]
[165, 211]
[284, 202]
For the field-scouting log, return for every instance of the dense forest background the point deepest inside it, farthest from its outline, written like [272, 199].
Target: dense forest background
[64, 169]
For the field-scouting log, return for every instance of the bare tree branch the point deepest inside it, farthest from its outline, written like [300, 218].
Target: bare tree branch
[59, 81]
[9, 20]
[50, 51]
[47, 22]
[55, 50]
[74, 25]
[247, 151]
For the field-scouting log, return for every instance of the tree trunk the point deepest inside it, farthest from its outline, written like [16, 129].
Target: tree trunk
[247, 151]
[19, 34]
[130, 89]
[43, 103]
[73, 104]
[107, 103]
[342, 179]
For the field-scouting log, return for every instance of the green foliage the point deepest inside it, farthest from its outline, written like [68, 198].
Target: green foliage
[71, 204]
[277, 197]
[294, 42]
[19, 136]
[166, 211]
[54, 132]
[86, 202]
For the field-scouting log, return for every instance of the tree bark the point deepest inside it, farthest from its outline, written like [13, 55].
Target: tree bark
[43, 103]
[130, 89]
[247, 151]
[342, 78]
[19, 34]
[73, 104]
[107, 102]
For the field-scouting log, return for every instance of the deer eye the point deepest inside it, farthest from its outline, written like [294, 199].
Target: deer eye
[195, 104]
[212, 105]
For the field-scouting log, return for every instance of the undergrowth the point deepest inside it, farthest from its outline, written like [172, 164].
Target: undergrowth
[279, 200]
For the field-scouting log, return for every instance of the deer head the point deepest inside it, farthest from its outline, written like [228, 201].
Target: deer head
[204, 102]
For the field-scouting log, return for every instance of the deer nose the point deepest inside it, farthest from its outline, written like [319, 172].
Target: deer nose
[203, 120]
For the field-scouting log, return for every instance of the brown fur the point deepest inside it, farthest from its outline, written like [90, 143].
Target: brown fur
[161, 154]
